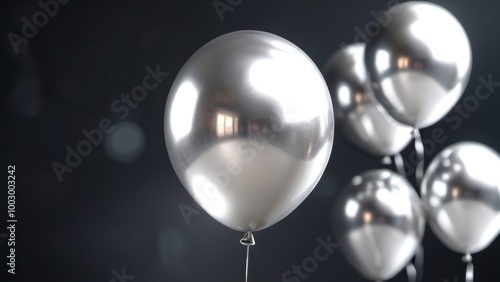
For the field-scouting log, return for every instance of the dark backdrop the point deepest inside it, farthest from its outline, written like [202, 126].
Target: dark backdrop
[117, 214]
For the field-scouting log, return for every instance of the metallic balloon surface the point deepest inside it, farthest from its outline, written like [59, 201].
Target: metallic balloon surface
[249, 128]
[360, 117]
[379, 221]
[461, 196]
[419, 63]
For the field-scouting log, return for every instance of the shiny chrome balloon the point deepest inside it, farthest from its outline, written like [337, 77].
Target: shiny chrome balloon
[419, 63]
[461, 196]
[249, 128]
[360, 117]
[379, 222]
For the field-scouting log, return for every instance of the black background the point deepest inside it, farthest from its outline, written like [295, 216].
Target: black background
[107, 215]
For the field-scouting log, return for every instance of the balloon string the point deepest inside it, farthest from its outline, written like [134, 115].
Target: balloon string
[419, 148]
[469, 272]
[246, 271]
[386, 160]
[419, 263]
[411, 272]
[398, 161]
[247, 240]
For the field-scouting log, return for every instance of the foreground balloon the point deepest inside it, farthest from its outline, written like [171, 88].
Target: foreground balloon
[357, 113]
[249, 128]
[419, 63]
[461, 195]
[379, 222]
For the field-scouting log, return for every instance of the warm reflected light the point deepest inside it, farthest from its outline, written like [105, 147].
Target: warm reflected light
[359, 98]
[403, 62]
[367, 217]
[226, 124]
[455, 192]
[182, 111]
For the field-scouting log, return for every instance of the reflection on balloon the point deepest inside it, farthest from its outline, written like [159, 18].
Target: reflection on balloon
[380, 223]
[461, 194]
[183, 107]
[358, 114]
[419, 63]
[249, 128]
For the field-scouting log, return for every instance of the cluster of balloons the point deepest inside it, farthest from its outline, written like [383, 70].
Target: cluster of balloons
[249, 127]
[408, 77]
[380, 219]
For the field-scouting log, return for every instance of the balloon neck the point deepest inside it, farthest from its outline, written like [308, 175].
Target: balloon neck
[467, 258]
[248, 239]
[469, 271]
[386, 160]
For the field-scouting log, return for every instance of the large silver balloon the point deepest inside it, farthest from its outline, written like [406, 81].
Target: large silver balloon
[379, 221]
[249, 128]
[419, 63]
[361, 118]
[461, 196]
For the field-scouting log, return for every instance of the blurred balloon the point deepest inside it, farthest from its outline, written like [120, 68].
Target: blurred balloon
[379, 222]
[419, 63]
[249, 128]
[461, 195]
[358, 114]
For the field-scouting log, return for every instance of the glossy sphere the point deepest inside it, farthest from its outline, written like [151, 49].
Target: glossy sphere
[249, 128]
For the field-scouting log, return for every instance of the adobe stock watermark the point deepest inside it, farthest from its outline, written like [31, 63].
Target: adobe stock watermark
[483, 90]
[223, 6]
[454, 280]
[120, 106]
[121, 276]
[247, 152]
[310, 264]
[48, 10]
[372, 28]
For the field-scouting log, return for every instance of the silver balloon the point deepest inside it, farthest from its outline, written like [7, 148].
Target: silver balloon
[360, 117]
[461, 196]
[249, 128]
[379, 222]
[419, 63]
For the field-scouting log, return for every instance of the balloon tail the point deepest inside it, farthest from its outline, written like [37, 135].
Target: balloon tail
[400, 166]
[411, 271]
[469, 272]
[246, 268]
[247, 240]
[419, 149]
[419, 263]
[386, 160]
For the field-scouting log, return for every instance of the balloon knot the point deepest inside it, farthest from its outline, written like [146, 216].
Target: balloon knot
[248, 239]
